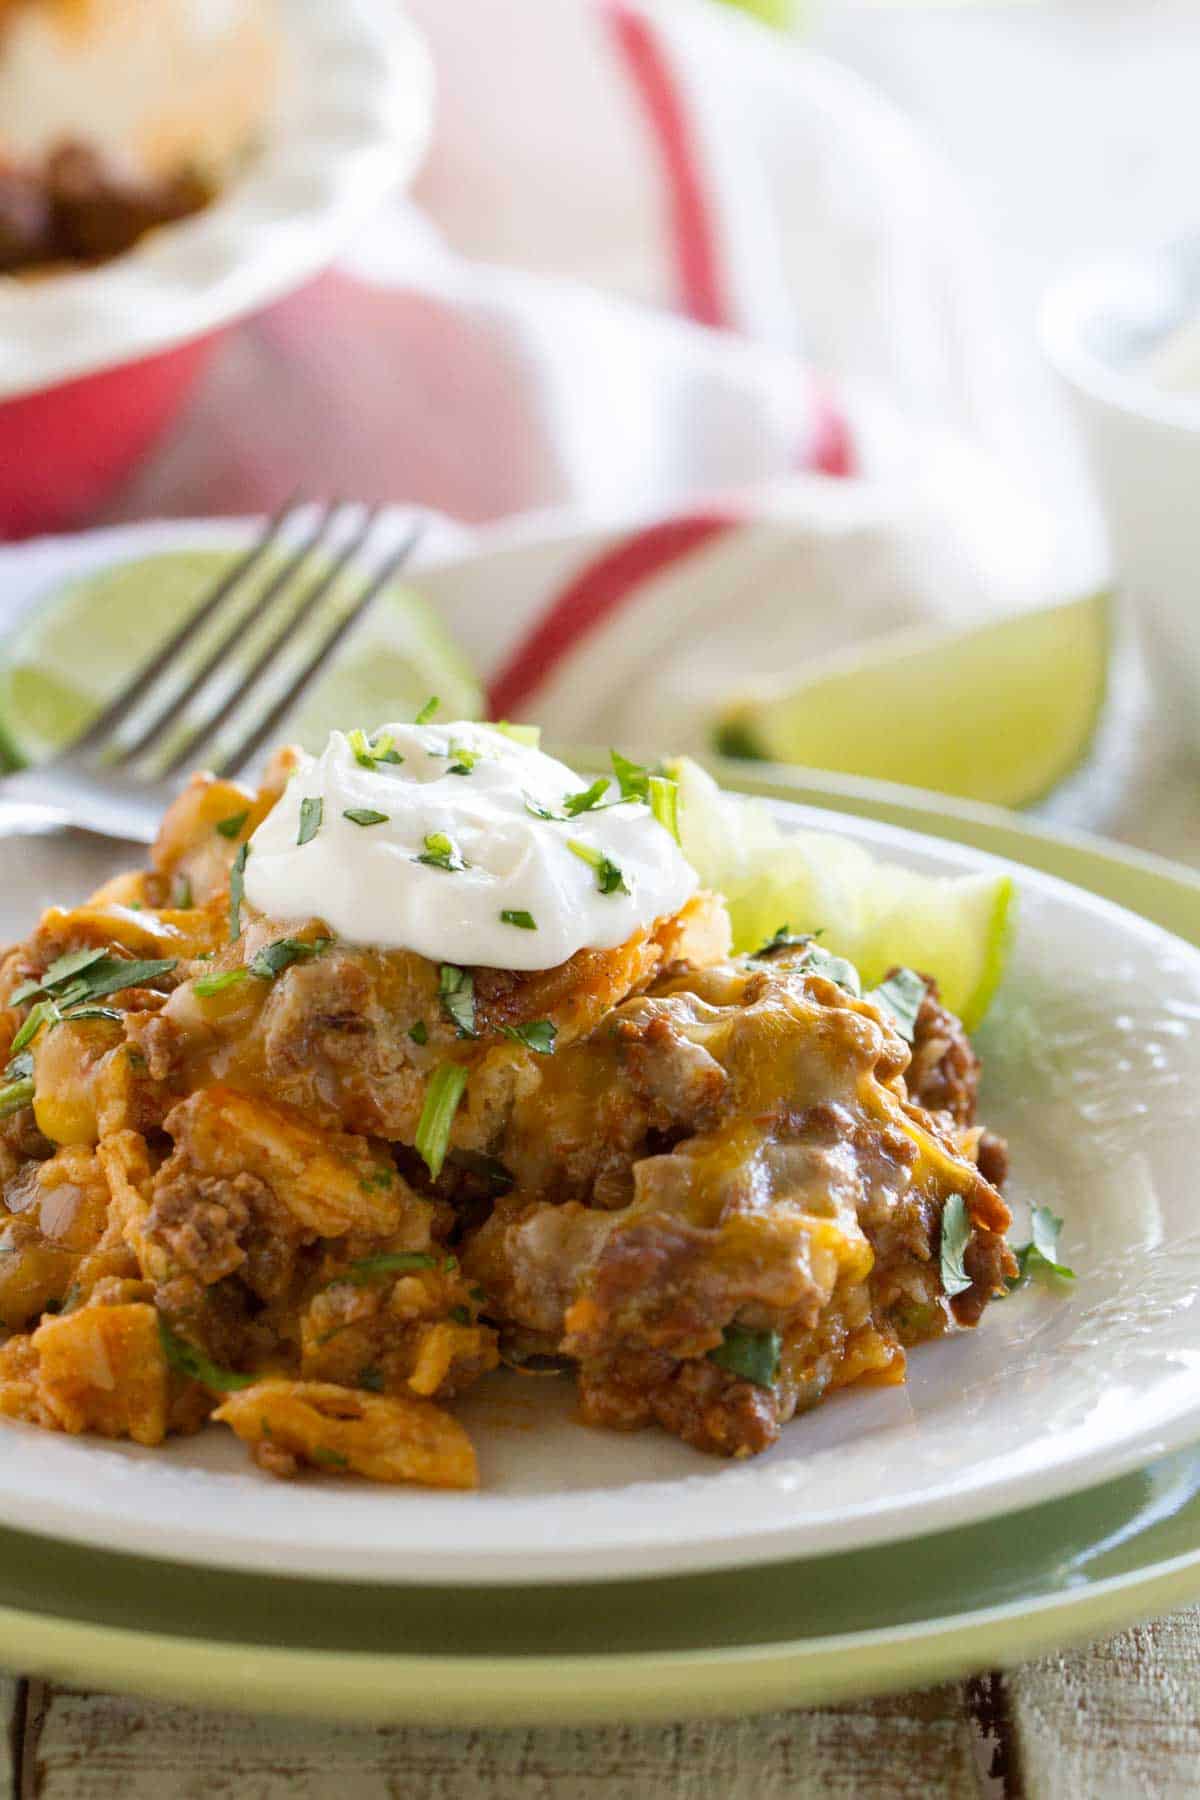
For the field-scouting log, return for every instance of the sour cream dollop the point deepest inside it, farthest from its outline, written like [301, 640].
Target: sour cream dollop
[468, 796]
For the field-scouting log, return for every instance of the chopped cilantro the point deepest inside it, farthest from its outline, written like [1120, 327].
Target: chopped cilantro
[538, 1035]
[275, 958]
[440, 853]
[365, 815]
[1038, 1259]
[632, 778]
[456, 991]
[754, 1355]
[956, 1235]
[587, 799]
[446, 1087]
[784, 939]
[312, 810]
[538, 811]
[19, 1067]
[419, 1033]
[901, 995]
[231, 827]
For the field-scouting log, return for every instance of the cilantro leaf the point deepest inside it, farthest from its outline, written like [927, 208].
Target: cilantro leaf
[632, 778]
[538, 1034]
[439, 853]
[1038, 1259]
[754, 1355]
[587, 799]
[956, 1235]
[901, 995]
[231, 827]
[456, 991]
[312, 810]
[275, 958]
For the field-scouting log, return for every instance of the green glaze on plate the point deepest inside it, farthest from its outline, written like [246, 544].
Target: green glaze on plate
[785, 1635]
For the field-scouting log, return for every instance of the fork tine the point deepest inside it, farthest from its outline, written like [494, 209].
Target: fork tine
[250, 745]
[206, 732]
[279, 584]
[140, 684]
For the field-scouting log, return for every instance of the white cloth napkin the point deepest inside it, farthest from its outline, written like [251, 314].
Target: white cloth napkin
[691, 336]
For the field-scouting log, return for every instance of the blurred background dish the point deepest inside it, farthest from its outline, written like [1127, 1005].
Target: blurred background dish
[117, 117]
[279, 130]
[1124, 334]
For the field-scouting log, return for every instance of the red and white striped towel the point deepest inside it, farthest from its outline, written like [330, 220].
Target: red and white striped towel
[689, 335]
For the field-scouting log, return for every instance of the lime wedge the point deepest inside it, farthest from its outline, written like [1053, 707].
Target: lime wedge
[878, 914]
[1001, 713]
[80, 642]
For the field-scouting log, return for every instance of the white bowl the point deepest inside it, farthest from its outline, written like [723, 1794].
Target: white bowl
[1124, 335]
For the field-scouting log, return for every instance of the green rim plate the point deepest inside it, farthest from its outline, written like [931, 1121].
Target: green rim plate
[794, 1633]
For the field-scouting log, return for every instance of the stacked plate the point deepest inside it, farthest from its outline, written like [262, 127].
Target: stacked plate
[1032, 1483]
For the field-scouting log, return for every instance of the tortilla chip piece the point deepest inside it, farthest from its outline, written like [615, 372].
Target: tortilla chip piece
[337, 1429]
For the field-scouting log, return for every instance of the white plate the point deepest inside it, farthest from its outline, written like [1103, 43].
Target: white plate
[353, 117]
[1093, 1070]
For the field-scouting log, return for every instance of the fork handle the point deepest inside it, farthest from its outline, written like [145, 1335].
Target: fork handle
[101, 807]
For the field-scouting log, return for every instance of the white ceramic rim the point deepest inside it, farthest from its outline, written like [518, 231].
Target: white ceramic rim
[592, 1547]
[354, 119]
[1068, 306]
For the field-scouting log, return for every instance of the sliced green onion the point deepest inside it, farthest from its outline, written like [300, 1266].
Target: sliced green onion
[237, 888]
[357, 740]
[427, 711]
[14, 1095]
[439, 853]
[524, 921]
[390, 1262]
[609, 878]
[365, 815]
[446, 1087]
[42, 1014]
[192, 1362]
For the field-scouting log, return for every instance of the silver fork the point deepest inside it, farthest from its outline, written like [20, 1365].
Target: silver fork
[116, 777]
